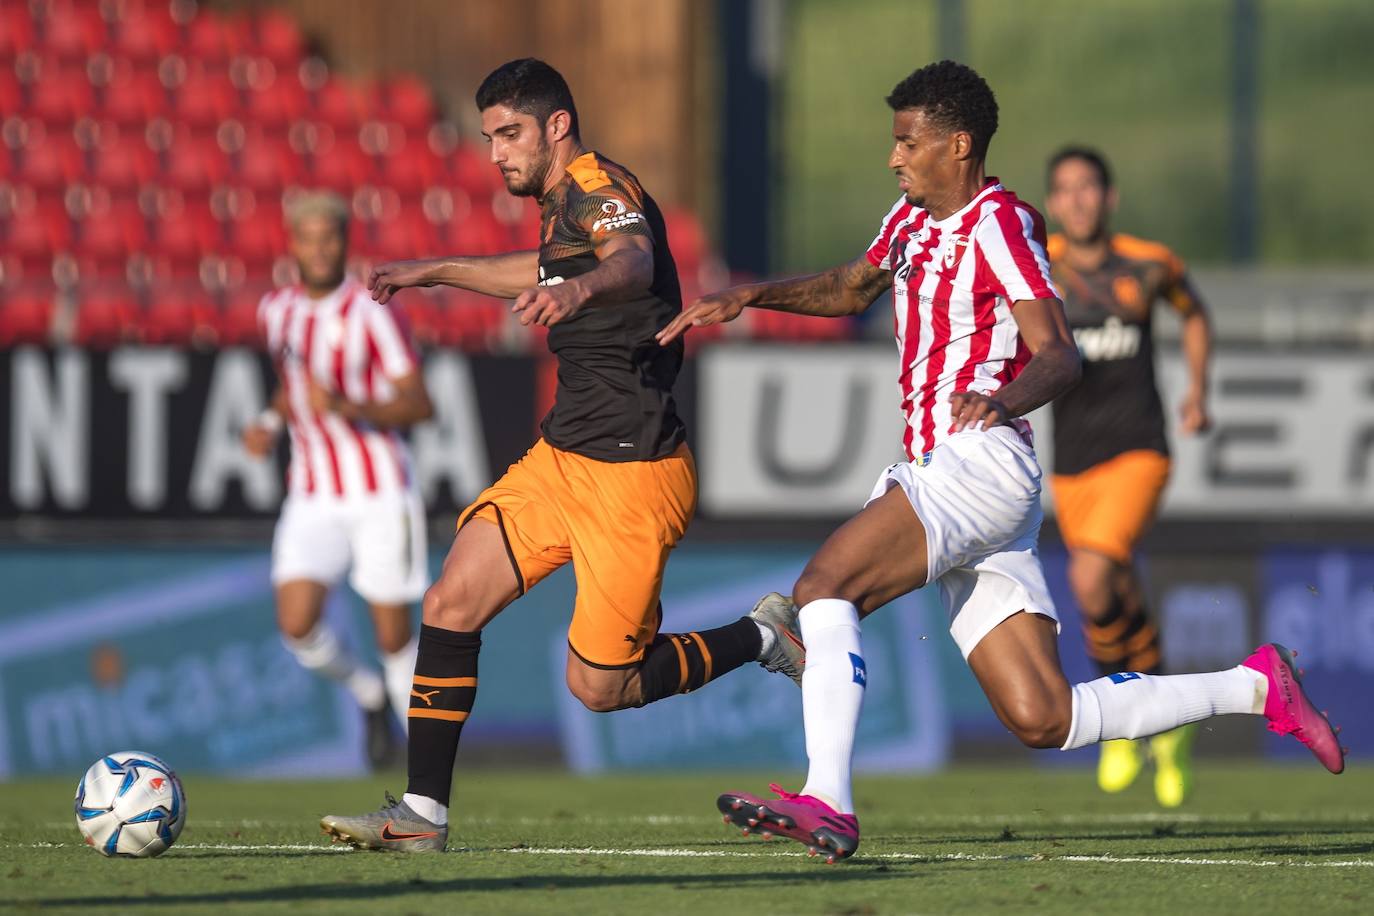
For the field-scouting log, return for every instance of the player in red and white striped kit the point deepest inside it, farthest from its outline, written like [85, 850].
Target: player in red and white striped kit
[349, 383]
[983, 341]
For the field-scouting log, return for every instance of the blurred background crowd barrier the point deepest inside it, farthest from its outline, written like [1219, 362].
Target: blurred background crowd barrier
[146, 151]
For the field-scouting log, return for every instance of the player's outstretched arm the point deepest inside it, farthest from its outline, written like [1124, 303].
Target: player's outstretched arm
[1054, 368]
[626, 268]
[409, 405]
[501, 275]
[845, 290]
[1196, 338]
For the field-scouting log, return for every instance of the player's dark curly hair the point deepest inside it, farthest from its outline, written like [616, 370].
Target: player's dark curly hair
[1085, 154]
[529, 86]
[954, 97]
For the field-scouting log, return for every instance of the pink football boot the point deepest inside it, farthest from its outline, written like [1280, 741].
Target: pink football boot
[1289, 711]
[809, 821]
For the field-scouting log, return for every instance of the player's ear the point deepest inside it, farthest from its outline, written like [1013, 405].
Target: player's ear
[559, 126]
[961, 145]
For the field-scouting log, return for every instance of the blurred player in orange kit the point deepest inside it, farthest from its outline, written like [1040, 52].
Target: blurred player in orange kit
[1111, 457]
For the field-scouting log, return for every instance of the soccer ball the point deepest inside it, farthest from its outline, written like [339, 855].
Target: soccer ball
[130, 804]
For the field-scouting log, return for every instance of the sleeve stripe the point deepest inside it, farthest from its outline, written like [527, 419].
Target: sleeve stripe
[396, 357]
[881, 247]
[1018, 262]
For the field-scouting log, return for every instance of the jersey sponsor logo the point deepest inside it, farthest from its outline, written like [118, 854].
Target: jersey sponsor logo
[1122, 677]
[1113, 340]
[545, 280]
[616, 217]
[860, 670]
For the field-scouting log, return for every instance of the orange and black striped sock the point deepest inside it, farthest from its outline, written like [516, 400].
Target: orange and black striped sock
[682, 662]
[1123, 639]
[441, 697]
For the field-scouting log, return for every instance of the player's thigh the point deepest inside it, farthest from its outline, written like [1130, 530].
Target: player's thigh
[623, 524]
[477, 580]
[878, 555]
[310, 553]
[1017, 664]
[1109, 507]
[389, 548]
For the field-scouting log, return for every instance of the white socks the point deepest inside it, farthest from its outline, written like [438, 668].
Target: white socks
[321, 652]
[427, 808]
[1131, 705]
[769, 637]
[832, 696]
[399, 670]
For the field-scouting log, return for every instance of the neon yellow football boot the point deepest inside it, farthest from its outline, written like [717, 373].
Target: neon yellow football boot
[1173, 756]
[1119, 764]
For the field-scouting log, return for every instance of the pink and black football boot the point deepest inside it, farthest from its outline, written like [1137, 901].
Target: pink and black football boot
[810, 821]
[1289, 711]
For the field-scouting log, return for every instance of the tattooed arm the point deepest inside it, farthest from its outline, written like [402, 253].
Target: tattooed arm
[844, 290]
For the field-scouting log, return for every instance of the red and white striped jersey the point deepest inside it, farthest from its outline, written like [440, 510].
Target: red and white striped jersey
[354, 347]
[953, 284]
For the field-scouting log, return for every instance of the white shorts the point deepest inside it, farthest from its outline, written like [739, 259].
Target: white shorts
[381, 537]
[978, 497]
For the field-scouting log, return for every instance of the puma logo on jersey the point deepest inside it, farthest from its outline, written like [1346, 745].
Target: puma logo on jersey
[424, 696]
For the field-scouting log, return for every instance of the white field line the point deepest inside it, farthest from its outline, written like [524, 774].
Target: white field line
[1024, 820]
[671, 853]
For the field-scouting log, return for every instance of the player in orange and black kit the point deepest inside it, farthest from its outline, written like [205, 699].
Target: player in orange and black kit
[1111, 458]
[610, 486]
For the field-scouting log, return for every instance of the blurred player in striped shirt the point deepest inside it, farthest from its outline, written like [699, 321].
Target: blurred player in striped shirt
[350, 383]
[1111, 457]
[983, 341]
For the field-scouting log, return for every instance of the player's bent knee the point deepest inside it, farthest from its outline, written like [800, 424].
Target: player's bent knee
[597, 695]
[449, 604]
[816, 583]
[1039, 723]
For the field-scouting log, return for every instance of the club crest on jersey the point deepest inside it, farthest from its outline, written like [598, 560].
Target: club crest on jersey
[617, 217]
[952, 249]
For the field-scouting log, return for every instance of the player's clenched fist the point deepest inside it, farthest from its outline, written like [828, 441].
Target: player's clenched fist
[548, 305]
[717, 308]
[259, 439]
[973, 410]
[386, 279]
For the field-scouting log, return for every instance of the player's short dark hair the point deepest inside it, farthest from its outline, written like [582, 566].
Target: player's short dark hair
[1084, 154]
[529, 86]
[954, 97]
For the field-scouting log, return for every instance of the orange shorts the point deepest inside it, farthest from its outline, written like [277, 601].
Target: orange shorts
[1108, 507]
[616, 522]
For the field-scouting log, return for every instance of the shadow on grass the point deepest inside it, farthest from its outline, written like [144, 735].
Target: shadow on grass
[855, 872]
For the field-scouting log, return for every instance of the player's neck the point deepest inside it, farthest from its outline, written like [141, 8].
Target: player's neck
[563, 156]
[960, 193]
[1089, 254]
[318, 292]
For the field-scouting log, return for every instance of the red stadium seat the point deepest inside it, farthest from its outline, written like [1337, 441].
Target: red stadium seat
[111, 236]
[343, 168]
[181, 315]
[184, 237]
[206, 98]
[124, 163]
[145, 35]
[409, 103]
[412, 169]
[685, 238]
[278, 105]
[214, 39]
[135, 98]
[38, 236]
[16, 31]
[26, 316]
[106, 318]
[265, 165]
[238, 322]
[11, 92]
[278, 38]
[344, 105]
[74, 32]
[196, 164]
[49, 162]
[60, 97]
[259, 238]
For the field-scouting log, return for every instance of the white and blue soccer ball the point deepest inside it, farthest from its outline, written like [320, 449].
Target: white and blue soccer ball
[130, 804]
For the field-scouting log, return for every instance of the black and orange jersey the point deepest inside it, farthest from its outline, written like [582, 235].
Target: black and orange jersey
[1116, 408]
[614, 400]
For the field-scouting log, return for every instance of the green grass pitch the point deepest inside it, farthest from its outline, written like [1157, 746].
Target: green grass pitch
[976, 839]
